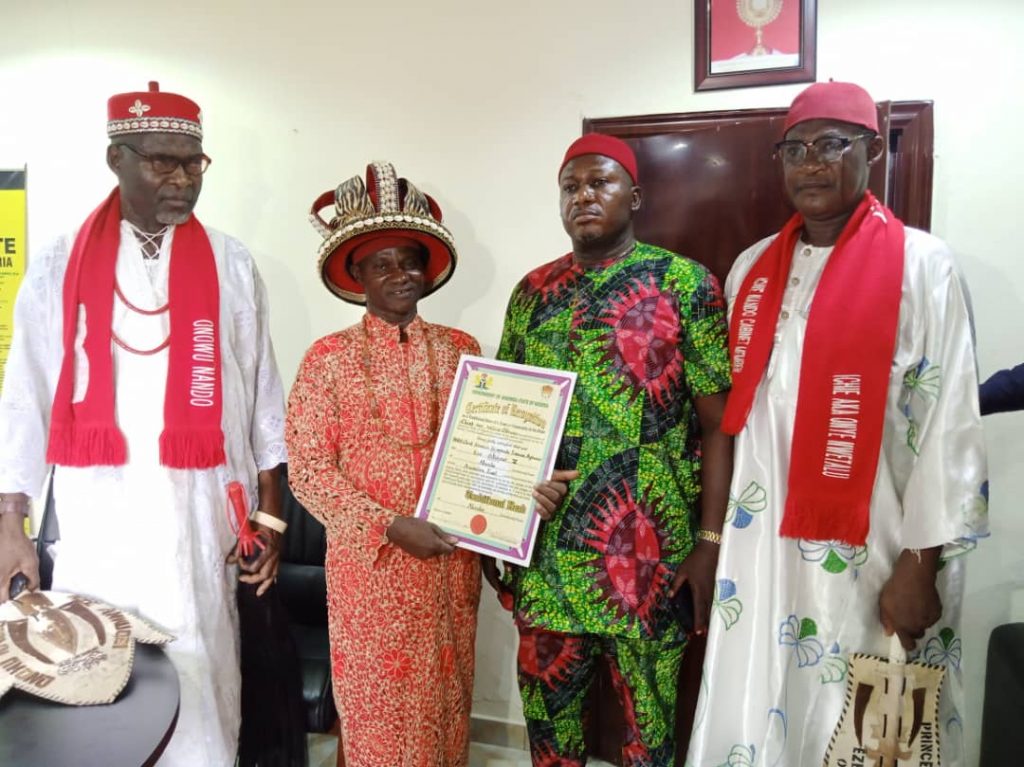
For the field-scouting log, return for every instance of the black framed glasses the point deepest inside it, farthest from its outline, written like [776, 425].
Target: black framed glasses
[827, 149]
[166, 164]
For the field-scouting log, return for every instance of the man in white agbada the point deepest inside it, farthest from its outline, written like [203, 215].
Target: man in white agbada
[169, 392]
[860, 473]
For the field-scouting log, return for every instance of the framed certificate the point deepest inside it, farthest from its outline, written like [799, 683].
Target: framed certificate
[499, 437]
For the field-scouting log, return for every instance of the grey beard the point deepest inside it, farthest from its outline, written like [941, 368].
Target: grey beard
[171, 219]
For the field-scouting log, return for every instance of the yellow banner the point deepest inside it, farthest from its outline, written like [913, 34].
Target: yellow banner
[12, 254]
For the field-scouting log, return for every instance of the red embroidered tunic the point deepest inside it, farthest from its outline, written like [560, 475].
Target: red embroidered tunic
[361, 422]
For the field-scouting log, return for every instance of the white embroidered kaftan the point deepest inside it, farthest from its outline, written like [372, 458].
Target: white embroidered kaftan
[787, 613]
[141, 536]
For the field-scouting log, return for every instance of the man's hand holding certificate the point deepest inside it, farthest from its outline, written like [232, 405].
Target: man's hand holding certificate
[499, 439]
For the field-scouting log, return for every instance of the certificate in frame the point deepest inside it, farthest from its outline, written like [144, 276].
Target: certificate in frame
[499, 437]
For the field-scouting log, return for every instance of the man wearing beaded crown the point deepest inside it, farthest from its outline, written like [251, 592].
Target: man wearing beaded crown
[645, 331]
[363, 418]
[860, 469]
[141, 368]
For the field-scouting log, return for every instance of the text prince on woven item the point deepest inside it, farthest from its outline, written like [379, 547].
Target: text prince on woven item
[203, 375]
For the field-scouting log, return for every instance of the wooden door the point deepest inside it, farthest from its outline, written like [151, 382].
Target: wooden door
[712, 188]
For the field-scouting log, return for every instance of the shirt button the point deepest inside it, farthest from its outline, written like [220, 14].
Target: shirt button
[806, 251]
[795, 281]
[784, 315]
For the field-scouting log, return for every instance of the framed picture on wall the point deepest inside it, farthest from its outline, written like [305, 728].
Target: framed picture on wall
[744, 43]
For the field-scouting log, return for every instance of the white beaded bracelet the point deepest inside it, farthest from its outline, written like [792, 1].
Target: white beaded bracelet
[269, 520]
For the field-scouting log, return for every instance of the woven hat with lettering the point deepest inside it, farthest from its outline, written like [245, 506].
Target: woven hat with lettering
[153, 111]
[387, 210]
[70, 648]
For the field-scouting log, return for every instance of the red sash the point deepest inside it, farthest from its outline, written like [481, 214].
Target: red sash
[85, 433]
[844, 375]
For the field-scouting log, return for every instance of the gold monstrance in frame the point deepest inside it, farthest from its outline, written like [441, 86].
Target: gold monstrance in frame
[758, 14]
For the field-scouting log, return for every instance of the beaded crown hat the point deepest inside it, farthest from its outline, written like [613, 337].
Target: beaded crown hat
[385, 205]
[153, 111]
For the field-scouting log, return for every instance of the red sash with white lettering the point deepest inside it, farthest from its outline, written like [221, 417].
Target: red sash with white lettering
[844, 375]
[85, 433]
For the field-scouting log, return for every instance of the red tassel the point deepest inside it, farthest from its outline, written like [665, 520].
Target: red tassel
[72, 445]
[249, 540]
[826, 522]
[188, 449]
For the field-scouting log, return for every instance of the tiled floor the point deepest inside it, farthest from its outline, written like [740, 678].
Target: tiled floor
[322, 753]
[323, 750]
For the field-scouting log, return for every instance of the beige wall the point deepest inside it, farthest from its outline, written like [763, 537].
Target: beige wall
[475, 100]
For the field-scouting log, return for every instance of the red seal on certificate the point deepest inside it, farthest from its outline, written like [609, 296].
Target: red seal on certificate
[478, 524]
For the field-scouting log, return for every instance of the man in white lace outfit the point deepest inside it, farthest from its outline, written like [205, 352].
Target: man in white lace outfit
[142, 368]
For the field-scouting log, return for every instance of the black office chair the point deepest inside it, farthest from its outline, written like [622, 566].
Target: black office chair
[303, 588]
[1002, 726]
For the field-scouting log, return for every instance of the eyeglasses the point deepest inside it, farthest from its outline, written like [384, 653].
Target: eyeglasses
[166, 164]
[827, 149]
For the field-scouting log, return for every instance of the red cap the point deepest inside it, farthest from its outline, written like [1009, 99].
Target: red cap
[844, 102]
[608, 146]
[153, 112]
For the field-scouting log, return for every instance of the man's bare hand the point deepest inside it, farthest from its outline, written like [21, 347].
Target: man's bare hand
[420, 538]
[489, 567]
[263, 569]
[550, 494]
[909, 602]
[698, 569]
[17, 554]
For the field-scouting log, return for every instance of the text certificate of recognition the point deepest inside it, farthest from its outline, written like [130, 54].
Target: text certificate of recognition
[499, 437]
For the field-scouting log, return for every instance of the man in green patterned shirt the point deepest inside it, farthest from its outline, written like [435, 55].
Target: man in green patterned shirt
[645, 331]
